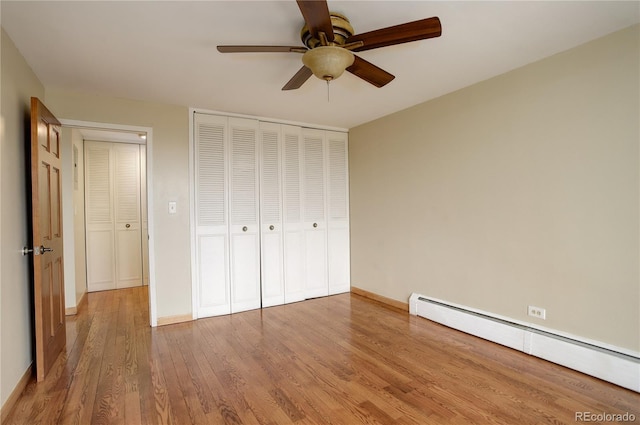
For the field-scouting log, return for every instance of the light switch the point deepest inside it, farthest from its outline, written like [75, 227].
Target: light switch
[173, 207]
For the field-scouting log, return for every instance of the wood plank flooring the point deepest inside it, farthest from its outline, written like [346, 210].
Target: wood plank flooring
[337, 360]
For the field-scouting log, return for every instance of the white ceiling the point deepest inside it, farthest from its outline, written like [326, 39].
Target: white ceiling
[164, 51]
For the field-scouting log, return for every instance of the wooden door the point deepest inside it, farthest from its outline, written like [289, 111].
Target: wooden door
[47, 237]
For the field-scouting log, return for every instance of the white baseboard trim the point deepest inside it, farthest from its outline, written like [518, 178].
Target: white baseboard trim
[609, 363]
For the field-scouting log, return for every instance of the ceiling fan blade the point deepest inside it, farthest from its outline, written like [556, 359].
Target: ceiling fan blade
[316, 15]
[261, 49]
[370, 73]
[398, 34]
[299, 79]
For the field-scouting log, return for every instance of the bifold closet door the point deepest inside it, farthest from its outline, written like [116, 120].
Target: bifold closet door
[128, 218]
[293, 229]
[113, 215]
[271, 242]
[338, 213]
[99, 216]
[244, 229]
[211, 211]
[314, 215]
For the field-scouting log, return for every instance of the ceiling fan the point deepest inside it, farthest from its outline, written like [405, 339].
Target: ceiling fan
[329, 42]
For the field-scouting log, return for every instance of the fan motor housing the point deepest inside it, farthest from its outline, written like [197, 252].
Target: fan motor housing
[342, 30]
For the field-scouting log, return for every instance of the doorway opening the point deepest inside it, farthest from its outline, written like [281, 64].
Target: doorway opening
[76, 135]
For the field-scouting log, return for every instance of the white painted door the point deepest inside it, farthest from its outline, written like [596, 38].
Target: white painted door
[114, 242]
[99, 215]
[338, 213]
[314, 215]
[294, 264]
[127, 215]
[213, 290]
[271, 241]
[244, 231]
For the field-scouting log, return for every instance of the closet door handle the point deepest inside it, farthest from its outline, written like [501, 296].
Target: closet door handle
[315, 224]
[271, 227]
[127, 225]
[245, 228]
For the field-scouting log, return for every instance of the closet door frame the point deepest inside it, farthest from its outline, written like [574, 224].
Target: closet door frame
[151, 218]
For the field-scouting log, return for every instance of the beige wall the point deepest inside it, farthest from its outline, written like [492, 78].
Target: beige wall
[18, 84]
[170, 171]
[520, 190]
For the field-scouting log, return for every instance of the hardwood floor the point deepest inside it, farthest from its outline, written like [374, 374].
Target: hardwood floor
[337, 360]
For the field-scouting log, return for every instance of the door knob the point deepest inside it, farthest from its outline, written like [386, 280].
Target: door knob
[127, 225]
[244, 229]
[37, 250]
[271, 227]
[315, 224]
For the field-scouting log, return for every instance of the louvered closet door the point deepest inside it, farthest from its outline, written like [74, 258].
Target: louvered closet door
[128, 229]
[243, 212]
[271, 215]
[294, 264]
[100, 234]
[212, 230]
[338, 213]
[314, 215]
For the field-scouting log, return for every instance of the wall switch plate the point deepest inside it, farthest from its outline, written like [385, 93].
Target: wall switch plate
[173, 207]
[537, 312]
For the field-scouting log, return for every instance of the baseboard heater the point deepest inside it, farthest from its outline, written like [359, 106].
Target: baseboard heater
[603, 362]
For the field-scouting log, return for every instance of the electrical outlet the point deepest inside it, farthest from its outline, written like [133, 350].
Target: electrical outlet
[537, 312]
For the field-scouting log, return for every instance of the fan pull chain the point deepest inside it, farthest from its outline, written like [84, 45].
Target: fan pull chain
[328, 97]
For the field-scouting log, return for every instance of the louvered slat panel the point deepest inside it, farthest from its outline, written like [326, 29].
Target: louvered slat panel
[126, 184]
[313, 178]
[98, 187]
[291, 171]
[210, 190]
[243, 176]
[337, 180]
[270, 188]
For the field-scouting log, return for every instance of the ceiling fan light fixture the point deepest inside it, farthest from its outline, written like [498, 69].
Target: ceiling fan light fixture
[328, 62]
